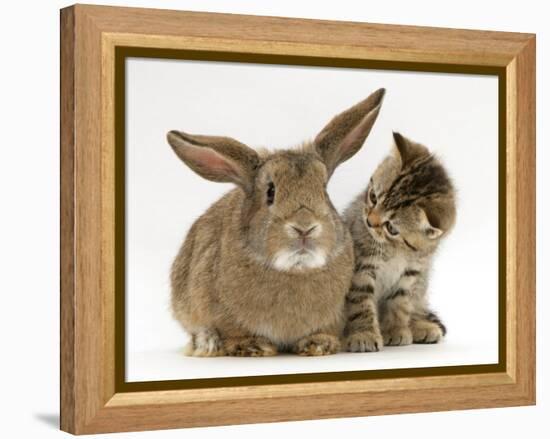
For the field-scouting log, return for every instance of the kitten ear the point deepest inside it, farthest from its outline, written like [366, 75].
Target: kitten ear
[428, 225]
[408, 150]
[437, 218]
[433, 232]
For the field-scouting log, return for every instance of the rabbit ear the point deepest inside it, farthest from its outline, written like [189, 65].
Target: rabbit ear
[216, 158]
[345, 134]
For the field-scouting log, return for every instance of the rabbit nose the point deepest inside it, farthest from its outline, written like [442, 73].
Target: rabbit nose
[303, 232]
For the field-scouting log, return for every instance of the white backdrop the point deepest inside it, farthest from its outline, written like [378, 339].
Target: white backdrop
[279, 106]
[29, 178]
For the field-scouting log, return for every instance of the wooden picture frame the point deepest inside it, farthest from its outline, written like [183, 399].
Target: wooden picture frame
[94, 42]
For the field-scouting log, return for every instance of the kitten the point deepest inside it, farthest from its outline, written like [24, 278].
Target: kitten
[397, 224]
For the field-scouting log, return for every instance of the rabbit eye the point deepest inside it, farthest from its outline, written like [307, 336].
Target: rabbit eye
[270, 193]
[372, 197]
[391, 229]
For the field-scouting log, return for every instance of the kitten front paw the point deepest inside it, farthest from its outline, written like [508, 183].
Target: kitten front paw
[426, 332]
[364, 341]
[249, 347]
[317, 344]
[397, 336]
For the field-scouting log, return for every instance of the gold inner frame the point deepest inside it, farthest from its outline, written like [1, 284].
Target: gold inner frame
[116, 48]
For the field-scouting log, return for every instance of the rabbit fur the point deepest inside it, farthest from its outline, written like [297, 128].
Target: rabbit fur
[267, 267]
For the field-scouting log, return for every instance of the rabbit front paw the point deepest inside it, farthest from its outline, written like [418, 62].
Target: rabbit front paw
[317, 344]
[205, 343]
[249, 347]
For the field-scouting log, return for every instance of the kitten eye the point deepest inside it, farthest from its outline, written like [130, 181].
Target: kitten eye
[391, 229]
[372, 197]
[270, 193]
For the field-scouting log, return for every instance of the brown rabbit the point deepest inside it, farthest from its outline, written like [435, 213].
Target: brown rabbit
[268, 266]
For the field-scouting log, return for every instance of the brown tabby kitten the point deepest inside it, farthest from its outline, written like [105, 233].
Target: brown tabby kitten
[397, 224]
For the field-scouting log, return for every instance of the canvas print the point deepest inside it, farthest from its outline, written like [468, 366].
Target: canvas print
[294, 219]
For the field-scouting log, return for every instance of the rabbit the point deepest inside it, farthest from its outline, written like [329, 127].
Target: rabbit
[267, 267]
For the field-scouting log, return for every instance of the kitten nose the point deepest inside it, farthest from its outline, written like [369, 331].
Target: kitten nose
[373, 220]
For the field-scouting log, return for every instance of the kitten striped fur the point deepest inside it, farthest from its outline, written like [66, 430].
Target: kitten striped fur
[396, 225]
